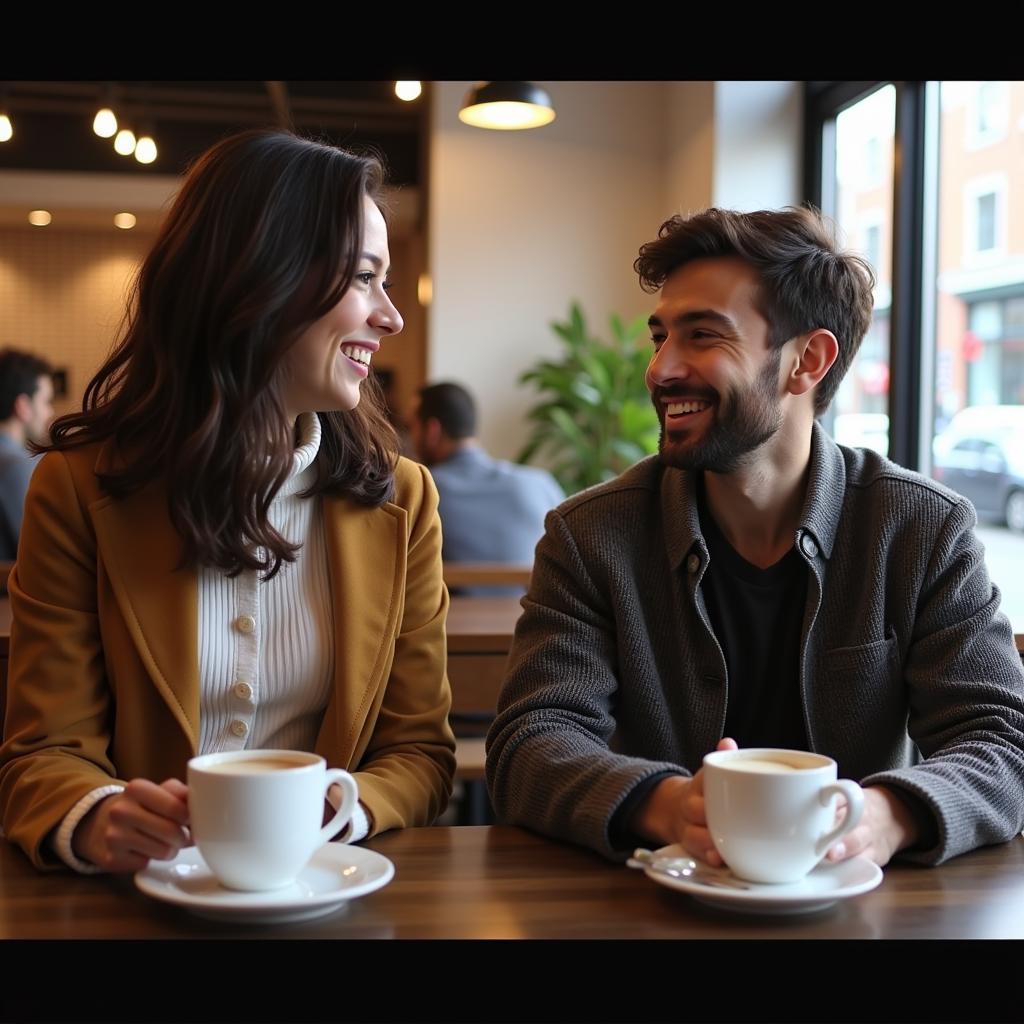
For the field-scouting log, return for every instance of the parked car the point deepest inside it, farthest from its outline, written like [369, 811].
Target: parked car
[981, 455]
[863, 430]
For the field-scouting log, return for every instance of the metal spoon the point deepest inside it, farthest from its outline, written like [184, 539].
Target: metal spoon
[683, 867]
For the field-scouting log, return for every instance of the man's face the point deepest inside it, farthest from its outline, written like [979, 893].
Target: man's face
[713, 378]
[39, 410]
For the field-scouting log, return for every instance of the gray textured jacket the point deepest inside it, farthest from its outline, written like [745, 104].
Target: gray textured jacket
[908, 674]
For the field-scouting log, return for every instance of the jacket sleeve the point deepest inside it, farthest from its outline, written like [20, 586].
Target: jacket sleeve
[550, 762]
[56, 734]
[966, 701]
[405, 776]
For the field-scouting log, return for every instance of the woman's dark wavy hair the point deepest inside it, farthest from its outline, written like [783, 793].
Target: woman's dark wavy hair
[807, 281]
[262, 240]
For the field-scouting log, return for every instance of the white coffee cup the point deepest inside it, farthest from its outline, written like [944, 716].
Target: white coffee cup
[771, 813]
[256, 814]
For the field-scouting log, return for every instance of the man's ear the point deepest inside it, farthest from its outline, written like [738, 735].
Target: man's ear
[811, 361]
[433, 432]
[23, 407]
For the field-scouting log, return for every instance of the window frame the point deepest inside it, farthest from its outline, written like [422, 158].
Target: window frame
[913, 249]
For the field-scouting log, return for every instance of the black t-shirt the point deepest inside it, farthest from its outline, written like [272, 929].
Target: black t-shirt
[757, 615]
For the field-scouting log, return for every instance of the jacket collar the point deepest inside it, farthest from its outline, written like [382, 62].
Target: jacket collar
[822, 507]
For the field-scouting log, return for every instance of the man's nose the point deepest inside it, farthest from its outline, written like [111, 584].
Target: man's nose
[668, 363]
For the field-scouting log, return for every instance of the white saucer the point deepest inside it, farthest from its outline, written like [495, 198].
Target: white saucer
[336, 874]
[826, 884]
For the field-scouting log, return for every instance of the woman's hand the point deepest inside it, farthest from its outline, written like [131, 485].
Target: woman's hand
[125, 831]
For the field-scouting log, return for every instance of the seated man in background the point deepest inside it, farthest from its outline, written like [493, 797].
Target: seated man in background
[491, 510]
[758, 584]
[26, 409]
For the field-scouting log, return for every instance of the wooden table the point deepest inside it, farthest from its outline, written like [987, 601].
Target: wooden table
[475, 574]
[500, 883]
[504, 883]
[480, 633]
[482, 624]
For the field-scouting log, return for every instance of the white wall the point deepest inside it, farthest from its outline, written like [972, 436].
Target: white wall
[758, 144]
[690, 130]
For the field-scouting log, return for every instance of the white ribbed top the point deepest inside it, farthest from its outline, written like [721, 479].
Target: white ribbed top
[266, 649]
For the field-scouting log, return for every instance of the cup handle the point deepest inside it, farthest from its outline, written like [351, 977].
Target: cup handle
[854, 808]
[350, 790]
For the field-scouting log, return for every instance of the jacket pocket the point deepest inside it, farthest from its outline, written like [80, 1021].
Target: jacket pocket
[863, 702]
[865, 660]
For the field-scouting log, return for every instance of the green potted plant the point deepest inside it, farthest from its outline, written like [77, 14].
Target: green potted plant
[595, 417]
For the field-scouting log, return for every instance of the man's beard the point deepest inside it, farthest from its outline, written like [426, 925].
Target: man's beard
[750, 419]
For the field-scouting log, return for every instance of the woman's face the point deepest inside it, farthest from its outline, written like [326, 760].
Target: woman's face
[324, 368]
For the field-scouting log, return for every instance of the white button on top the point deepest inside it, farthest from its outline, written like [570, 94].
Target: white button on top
[692, 563]
[810, 548]
[239, 728]
[243, 691]
[245, 624]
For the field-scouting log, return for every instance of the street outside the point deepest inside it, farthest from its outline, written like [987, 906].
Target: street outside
[1004, 555]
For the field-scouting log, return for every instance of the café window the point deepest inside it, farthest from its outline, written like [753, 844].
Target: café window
[939, 381]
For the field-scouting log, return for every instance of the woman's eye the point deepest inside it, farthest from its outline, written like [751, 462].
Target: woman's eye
[366, 277]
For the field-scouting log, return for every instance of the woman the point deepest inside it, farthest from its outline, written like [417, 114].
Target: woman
[222, 550]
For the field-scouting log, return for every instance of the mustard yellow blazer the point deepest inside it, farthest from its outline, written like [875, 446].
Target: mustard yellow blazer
[104, 667]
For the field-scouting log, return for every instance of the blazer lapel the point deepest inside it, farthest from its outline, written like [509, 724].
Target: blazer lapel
[367, 583]
[140, 550]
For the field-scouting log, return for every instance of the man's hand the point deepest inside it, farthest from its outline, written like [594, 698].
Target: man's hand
[674, 813]
[886, 827]
[124, 831]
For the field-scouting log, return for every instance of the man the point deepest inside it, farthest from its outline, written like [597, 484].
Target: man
[26, 410]
[491, 510]
[757, 584]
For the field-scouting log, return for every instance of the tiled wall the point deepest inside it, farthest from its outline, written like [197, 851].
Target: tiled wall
[62, 296]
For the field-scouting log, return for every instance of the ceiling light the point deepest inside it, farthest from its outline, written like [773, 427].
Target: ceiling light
[408, 90]
[124, 142]
[104, 124]
[506, 106]
[145, 149]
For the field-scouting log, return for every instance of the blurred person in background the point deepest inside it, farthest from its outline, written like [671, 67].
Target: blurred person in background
[26, 409]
